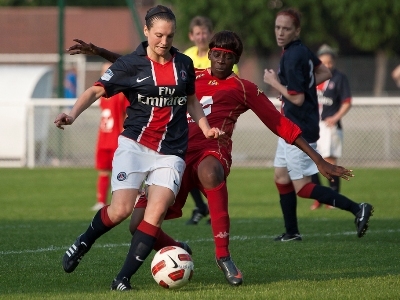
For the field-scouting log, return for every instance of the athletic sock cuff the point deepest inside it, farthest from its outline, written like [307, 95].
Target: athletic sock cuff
[149, 229]
[105, 218]
[285, 188]
[216, 188]
[306, 190]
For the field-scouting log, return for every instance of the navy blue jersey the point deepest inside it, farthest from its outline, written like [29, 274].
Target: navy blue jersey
[333, 93]
[158, 98]
[296, 72]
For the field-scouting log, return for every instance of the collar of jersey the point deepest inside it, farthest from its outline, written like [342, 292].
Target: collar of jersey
[295, 42]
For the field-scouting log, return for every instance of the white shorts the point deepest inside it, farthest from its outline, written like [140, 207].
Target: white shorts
[295, 160]
[133, 163]
[330, 141]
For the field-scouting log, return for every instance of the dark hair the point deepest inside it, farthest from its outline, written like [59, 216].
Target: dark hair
[159, 12]
[228, 40]
[293, 13]
[201, 22]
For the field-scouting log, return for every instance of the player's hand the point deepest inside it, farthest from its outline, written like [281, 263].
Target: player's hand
[63, 119]
[328, 170]
[330, 121]
[269, 76]
[214, 133]
[82, 48]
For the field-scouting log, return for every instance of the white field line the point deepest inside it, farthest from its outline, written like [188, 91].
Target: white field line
[232, 238]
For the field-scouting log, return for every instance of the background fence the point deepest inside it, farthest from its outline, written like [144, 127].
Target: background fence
[371, 133]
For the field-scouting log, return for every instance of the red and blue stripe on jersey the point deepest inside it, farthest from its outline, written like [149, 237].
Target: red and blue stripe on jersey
[158, 98]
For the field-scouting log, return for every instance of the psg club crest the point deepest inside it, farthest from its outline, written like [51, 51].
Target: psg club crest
[121, 176]
[183, 75]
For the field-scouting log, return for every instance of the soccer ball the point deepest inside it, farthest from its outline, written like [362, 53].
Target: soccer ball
[172, 267]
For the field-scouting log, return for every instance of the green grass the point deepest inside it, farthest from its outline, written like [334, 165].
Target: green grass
[43, 210]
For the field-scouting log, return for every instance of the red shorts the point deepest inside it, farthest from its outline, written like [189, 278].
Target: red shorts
[104, 158]
[190, 180]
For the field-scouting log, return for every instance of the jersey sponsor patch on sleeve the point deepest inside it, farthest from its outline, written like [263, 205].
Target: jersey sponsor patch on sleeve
[107, 75]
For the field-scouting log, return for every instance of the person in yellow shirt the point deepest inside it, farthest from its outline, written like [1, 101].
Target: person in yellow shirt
[200, 32]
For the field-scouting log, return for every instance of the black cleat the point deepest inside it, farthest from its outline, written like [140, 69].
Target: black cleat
[197, 215]
[74, 254]
[362, 218]
[231, 272]
[185, 247]
[285, 237]
[122, 285]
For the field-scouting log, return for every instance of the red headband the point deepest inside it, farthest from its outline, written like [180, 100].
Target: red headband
[222, 49]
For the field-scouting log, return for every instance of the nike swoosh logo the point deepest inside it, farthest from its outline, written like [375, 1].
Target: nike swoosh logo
[175, 183]
[140, 80]
[175, 264]
[138, 258]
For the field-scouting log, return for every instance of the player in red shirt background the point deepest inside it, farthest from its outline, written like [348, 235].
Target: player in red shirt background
[113, 114]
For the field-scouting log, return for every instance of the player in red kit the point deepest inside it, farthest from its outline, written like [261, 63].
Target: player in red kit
[224, 97]
[113, 114]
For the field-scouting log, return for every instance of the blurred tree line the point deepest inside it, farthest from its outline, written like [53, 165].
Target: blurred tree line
[88, 3]
[370, 27]
[353, 27]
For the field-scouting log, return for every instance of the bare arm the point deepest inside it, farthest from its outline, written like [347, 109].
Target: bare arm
[90, 49]
[84, 101]
[271, 78]
[326, 169]
[195, 110]
[322, 74]
[332, 120]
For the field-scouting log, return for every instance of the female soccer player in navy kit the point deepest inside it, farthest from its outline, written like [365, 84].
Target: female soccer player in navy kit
[299, 73]
[224, 97]
[159, 83]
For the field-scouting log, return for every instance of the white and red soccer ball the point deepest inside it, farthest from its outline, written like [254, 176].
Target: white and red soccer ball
[172, 267]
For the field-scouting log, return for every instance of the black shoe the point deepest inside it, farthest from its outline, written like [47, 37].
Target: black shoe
[285, 237]
[231, 272]
[122, 285]
[197, 215]
[362, 218]
[74, 254]
[186, 247]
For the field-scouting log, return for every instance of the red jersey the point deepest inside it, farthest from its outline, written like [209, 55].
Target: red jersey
[224, 101]
[113, 113]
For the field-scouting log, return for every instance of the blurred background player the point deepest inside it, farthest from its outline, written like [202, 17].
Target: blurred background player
[200, 32]
[300, 71]
[113, 114]
[334, 96]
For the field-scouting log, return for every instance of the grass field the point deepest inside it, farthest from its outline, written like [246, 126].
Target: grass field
[44, 210]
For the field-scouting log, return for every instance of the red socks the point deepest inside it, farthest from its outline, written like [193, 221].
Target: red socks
[218, 206]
